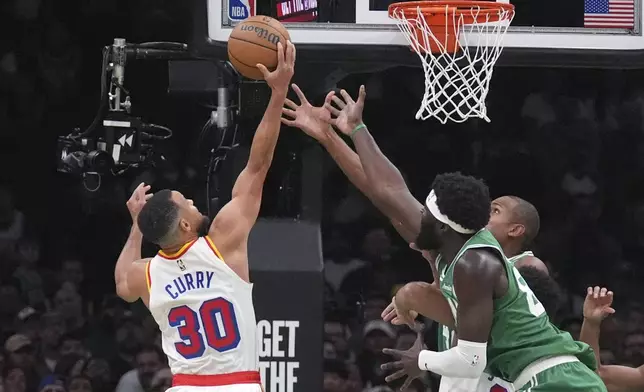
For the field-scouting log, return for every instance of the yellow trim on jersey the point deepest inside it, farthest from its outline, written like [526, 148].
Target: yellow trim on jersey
[214, 248]
[148, 278]
[178, 253]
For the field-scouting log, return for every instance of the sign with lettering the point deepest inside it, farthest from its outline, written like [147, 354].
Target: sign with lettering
[241, 9]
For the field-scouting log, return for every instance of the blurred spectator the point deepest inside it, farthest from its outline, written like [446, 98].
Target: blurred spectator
[162, 380]
[12, 221]
[31, 284]
[52, 329]
[14, 380]
[70, 305]
[149, 360]
[79, 383]
[335, 376]
[377, 335]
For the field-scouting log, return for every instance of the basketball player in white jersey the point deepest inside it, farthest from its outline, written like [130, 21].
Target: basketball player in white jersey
[513, 221]
[197, 287]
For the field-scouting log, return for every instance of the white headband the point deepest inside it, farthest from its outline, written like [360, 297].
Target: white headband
[430, 202]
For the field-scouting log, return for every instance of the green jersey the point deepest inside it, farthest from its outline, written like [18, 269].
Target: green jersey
[521, 331]
[446, 334]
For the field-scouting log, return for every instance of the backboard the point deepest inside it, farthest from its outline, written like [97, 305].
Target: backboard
[597, 33]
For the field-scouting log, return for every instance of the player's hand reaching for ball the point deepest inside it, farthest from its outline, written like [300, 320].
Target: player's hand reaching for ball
[279, 79]
[597, 305]
[398, 315]
[314, 121]
[138, 199]
[346, 113]
[405, 362]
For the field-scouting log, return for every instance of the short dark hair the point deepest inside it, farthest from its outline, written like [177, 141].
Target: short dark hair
[544, 287]
[527, 214]
[464, 199]
[158, 217]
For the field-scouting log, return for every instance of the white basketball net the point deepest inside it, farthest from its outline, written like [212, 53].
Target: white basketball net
[456, 84]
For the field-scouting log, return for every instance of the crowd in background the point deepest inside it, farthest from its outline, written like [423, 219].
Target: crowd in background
[569, 141]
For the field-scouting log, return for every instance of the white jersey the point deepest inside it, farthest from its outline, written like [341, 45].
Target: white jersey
[204, 311]
[486, 383]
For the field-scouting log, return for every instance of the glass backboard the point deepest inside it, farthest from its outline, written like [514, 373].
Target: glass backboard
[548, 32]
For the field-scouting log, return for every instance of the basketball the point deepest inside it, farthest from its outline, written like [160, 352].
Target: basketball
[254, 41]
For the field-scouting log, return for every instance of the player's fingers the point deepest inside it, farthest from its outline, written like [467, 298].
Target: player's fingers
[288, 123]
[334, 111]
[148, 196]
[280, 54]
[293, 52]
[602, 292]
[610, 310]
[329, 96]
[289, 112]
[395, 376]
[406, 384]
[362, 95]
[290, 104]
[596, 292]
[391, 351]
[339, 103]
[589, 292]
[610, 294]
[263, 70]
[299, 93]
[390, 308]
[346, 96]
[392, 366]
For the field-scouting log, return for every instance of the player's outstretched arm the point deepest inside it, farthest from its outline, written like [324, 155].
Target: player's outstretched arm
[314, 121]
[232, 225]
[387, 183]
[129, 273]
[597, 307]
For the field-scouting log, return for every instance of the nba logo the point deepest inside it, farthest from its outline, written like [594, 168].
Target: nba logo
[182, 266]
[241, 9]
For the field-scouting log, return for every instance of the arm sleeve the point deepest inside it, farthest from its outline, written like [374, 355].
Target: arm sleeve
[466, 360]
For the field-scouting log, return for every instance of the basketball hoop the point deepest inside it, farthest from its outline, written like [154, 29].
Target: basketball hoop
[458, 43]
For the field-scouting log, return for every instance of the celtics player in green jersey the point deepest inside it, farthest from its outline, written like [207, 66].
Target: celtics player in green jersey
[500, 326]
[514, 222]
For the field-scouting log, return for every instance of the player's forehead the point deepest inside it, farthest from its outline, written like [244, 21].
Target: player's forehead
[504, 203]
[178, 198]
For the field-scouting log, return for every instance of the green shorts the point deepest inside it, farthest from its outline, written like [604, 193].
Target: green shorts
[568, 377]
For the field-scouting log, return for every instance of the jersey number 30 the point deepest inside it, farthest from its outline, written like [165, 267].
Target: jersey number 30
[220, 329]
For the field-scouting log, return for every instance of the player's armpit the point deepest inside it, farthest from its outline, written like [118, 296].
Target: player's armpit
[622, 378]
[135, 285]
[475, 276]
[427, 300]
[534, 262]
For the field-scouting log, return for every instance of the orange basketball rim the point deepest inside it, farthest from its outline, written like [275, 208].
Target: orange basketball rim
[445, 19]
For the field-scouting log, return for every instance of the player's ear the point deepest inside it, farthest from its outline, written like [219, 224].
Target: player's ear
[517, 231]
[184, 225]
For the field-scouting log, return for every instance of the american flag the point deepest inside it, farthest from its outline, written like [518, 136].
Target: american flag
[618, 14]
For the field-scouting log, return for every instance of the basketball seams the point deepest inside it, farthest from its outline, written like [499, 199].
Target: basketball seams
[252, 42]
[241, 62]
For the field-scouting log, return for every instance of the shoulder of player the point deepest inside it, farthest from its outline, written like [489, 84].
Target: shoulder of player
[137, 275]
[479, 264]
[532, 261]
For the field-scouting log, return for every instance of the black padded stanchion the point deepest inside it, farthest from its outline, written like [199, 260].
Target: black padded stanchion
[286, 270]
